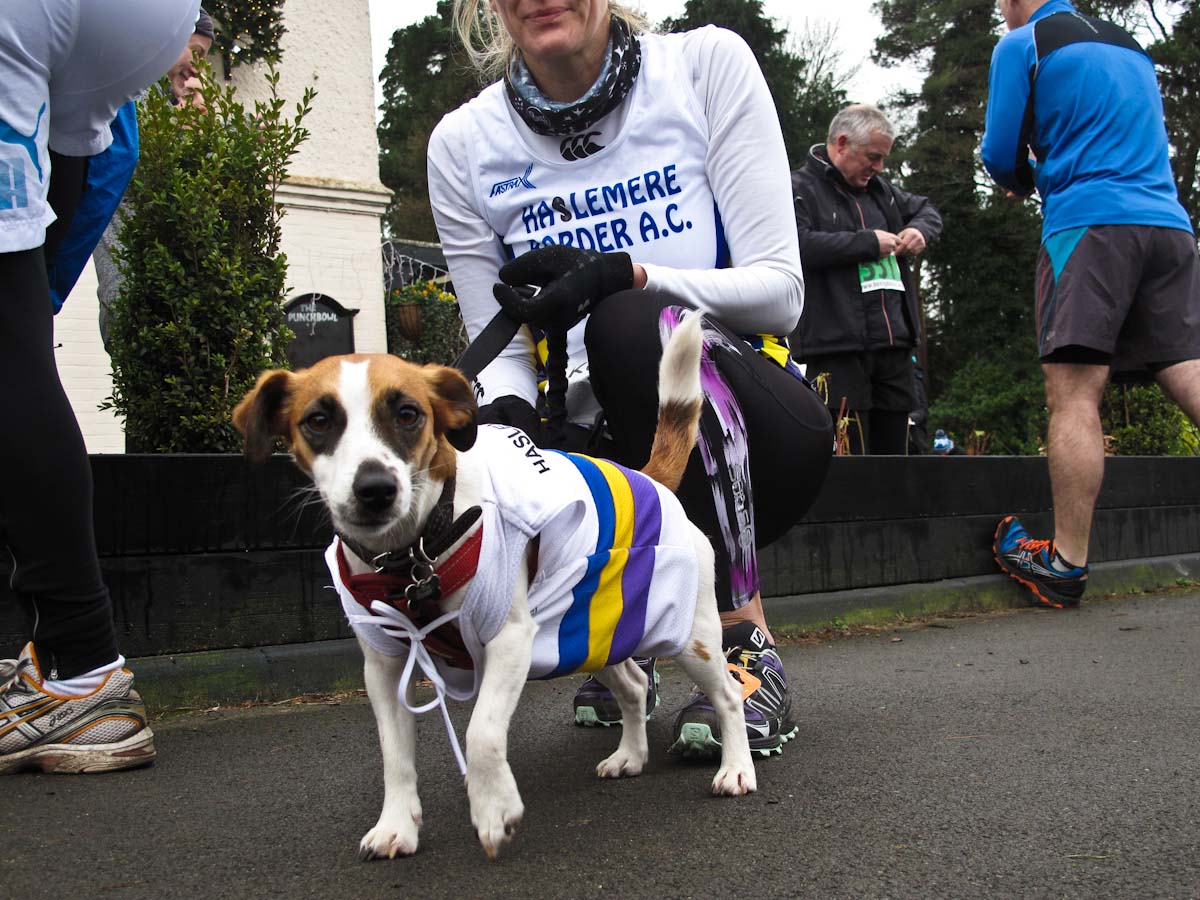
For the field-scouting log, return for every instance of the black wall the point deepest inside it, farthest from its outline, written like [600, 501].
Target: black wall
[895, 520]
[205, 552]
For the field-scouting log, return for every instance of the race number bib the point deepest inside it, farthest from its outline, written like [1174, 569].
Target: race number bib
[880, 275]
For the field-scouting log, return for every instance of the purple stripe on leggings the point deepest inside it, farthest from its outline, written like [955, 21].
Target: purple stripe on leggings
[731, 489]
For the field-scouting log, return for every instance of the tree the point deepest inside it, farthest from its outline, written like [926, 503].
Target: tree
[983, 372]
[1177, 56]
[978, 319]
[199, 314]
[426, 76]
[826, 75]
[808, 91]
[248, 31]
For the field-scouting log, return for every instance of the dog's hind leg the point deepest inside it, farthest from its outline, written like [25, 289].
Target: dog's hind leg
[628, 684]
[395, 834]
[496, 807]
[704, 661]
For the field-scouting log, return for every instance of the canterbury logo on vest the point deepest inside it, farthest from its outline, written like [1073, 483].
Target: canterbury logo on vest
[580, 146]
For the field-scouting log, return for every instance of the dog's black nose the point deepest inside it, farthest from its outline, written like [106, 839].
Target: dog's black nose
[374, 488]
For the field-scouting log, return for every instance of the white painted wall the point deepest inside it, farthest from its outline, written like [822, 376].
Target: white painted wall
[84, 367]
[334, 201]
[327, 46]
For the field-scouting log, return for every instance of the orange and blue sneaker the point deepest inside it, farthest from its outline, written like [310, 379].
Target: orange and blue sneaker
[1036, 565]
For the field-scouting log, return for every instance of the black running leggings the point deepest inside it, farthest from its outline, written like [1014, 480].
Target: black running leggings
[880, 432]
[45, 476]
[788, 432]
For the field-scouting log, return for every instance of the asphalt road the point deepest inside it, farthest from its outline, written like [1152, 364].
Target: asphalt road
[1034, 754]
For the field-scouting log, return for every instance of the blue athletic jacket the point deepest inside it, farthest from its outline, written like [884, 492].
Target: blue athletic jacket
[107, 177]
[1081, 95]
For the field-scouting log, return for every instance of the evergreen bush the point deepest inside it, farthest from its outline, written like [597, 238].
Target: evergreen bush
[1139, 420]
[200, 313]
[993, 406]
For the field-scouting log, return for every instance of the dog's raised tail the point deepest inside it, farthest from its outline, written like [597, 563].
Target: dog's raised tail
[679, 401]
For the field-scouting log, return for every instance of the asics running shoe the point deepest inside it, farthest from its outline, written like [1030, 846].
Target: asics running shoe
[765, 699]
[1028, 562]
[103, 731]
[595, 704]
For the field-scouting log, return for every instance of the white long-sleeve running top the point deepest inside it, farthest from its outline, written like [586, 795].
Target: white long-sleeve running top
[689, 175]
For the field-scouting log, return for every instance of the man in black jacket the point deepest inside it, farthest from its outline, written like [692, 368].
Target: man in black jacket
[860, 322]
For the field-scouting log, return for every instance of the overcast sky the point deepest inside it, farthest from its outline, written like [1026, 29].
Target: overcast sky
[857, 27]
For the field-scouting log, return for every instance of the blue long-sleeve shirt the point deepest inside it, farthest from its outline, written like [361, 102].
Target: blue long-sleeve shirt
[1095, 127]
[107, 177]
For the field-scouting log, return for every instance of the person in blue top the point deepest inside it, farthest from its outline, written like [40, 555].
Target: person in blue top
[1074, 112]
[67, 703]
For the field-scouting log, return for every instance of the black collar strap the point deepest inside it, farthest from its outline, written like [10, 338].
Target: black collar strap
[441, 532]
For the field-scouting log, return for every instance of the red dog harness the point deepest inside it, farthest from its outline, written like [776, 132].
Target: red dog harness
[396, 590]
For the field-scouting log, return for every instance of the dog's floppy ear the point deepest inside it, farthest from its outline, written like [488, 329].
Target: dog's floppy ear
[454, 407]
[261, 416]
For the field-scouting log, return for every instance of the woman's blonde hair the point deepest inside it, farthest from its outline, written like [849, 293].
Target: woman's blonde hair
[488, 44]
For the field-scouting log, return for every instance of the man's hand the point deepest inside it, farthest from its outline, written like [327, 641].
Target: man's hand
[888, 242]
[911, 242]
[572, 281]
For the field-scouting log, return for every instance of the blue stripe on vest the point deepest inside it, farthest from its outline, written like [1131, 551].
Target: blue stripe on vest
[573, 632]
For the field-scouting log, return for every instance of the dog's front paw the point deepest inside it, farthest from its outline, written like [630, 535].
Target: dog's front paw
[621, 764]
[391, 837]
[734, 781]
[496, 809]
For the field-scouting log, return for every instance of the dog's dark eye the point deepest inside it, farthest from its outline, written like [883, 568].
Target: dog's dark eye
[318, 422]
[407, 416]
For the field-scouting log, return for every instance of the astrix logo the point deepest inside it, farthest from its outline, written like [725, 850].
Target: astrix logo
[579, 146]
[503, 187]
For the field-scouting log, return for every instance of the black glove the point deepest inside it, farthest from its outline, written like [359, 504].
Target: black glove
[572, 282]
[511, 410]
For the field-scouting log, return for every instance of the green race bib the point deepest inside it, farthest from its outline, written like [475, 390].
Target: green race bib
[880, 275]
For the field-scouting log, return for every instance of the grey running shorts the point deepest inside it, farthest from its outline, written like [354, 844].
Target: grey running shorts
[1131, 292]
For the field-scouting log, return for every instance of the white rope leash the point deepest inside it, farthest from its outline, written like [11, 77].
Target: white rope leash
[391, 619]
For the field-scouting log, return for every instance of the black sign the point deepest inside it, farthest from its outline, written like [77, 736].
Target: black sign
[323, 327]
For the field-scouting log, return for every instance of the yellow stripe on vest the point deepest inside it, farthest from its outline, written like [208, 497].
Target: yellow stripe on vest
[608, 602]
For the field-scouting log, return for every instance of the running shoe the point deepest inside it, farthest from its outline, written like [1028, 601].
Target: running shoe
[595, 704]
[103, 731]
[758, 669]
[1028, 562]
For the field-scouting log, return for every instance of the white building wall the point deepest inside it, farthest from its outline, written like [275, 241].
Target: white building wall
[327, 46]
[334, 201]
[84, 367]
[331, 238]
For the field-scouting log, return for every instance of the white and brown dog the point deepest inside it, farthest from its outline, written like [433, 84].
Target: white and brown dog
[484, 560]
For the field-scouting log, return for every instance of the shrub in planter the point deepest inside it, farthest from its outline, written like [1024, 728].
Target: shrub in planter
[1139, 420]
[994, 406]
[200, 313]
[423, 324]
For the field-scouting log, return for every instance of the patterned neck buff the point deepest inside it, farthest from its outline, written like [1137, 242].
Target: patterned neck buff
[622, 63]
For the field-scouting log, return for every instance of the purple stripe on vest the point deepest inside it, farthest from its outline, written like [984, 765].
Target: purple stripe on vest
[639, 568]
